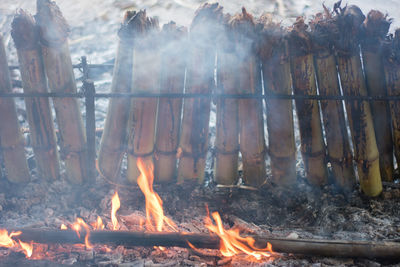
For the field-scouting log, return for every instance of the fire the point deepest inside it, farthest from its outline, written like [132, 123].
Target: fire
[232, 243]
[27, 247]
[115, 206]
[98, 224]
[155, 218]
[77, 226]
[63, 227]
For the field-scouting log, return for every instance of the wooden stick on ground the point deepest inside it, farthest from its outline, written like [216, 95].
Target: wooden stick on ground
[375, 29]
[391, 63]
[328, 248]
[303, 76]
[146, 72]
[227, 130]
[43, 137]
[251, 121]
[173, 59]
[193, 144]
[273, 49]
[113, 140]
[11, 139]
[366, 153]
[339, 152]
[57, 60]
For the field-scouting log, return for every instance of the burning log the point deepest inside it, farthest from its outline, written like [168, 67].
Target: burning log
[43, 137]
[251, 121]
[391, 63]
[348, 21]
[227, 130]
[339, 152]
[146, 67]
[277, 80]
[328, 248]
[113, 140]
[303, 75]
[11, 140]
[170, 110]
[375, 29]
[57, 61]
[199, 79]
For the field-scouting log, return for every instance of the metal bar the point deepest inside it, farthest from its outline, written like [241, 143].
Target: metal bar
[77, 66]
[89, 91]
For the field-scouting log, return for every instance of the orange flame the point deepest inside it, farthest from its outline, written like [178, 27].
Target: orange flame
[27, 247]
[63, 227]
[98, 224]
[155, 218]
[77, 226]
[115, 204]
[232, 243]
[6, 240]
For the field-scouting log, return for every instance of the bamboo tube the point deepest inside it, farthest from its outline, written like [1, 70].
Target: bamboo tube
[40, 119]
[11, 139]
[251, 124]
[57, 61]
[146, 66]
[114, 138]
[391, 64]
[227, 130]
[273, 50]
[375, 29]
[303, 75]
[170, 109]
[339, 152]
[346, 43]
[193, 144]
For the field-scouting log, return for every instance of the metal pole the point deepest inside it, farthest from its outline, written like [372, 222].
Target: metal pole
[89, 91]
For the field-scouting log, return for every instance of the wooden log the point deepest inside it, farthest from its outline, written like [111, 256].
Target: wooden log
[327, 248]
[251, 121]
[114, 138]
[173, 62]
[11, 139]
[57, 60]
[337, 139]
[352, 80]
[40, 119]
[146, 72]
[227, 128]
[304, 83]
[391, 64]
[375, 29]
[193, 145]
[273, 51]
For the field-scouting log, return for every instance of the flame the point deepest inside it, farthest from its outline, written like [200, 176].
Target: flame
[6, 240]
[77, 226]
[98, 224]
[155, 218]
[232, 243]
[115, 204]
[63, 227]
[27, 247]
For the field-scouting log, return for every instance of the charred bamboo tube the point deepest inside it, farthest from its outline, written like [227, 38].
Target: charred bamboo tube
[348, 22]
[57, 61]
[40, 119]
[193, 144]
[146, 66]
[251, 121]
[11, 140]
[273, 50]
[339, 152]
[227, 130]
[170, 109]
[391, 63]
[114, 138]
[303, 75]
[328, 248]
[375, 29]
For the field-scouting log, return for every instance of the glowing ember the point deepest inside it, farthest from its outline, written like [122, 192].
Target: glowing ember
[115, 204]
[98, 224]
[155, 218]
[27, 247]
[232, 243]
[63, 227]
